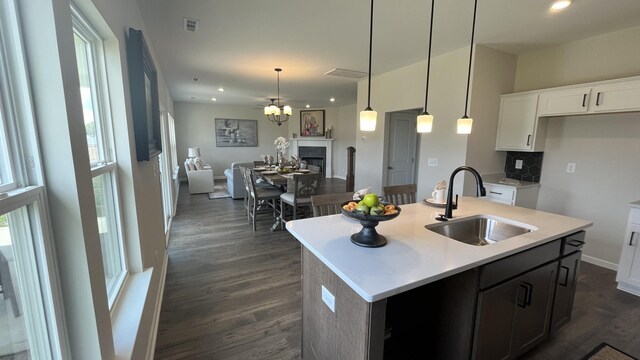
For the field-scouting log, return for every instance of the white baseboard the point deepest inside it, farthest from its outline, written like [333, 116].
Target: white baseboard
[602, 263]
[340, 177]
[629, 288]
[151, 349]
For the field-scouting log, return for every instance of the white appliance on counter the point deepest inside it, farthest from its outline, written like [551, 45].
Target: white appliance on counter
[629, 269]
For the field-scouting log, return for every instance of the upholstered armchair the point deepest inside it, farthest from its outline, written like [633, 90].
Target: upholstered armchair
[200, 176]
[235, 180]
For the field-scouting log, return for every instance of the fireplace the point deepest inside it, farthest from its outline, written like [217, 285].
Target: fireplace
[315, 151]
[314, 155]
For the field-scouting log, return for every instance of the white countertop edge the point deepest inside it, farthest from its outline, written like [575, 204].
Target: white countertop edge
[409, 286]
[322, 237]
[635, 204]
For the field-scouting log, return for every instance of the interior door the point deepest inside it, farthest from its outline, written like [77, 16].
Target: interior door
[401, 154]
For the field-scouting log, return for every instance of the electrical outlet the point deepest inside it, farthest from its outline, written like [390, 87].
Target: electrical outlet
[518, 164]
[364, 138]
[328, 299]
[432, 162]
[571, 168]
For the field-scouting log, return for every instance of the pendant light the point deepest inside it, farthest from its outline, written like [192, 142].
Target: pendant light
[465, 123]
[368, 117]
[425, 120]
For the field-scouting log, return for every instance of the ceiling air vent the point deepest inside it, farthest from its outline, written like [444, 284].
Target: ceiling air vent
[191, 25]
[352, 74]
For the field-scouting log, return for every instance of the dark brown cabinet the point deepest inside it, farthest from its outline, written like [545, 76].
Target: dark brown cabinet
[514, 316]
[565, 290]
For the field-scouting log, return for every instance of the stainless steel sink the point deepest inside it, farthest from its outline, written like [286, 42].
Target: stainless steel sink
[480, 230]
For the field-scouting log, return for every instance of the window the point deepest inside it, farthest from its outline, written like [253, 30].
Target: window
[30, 312]
[104, 168]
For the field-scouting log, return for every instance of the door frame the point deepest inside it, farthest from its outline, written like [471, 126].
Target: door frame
[385, 155]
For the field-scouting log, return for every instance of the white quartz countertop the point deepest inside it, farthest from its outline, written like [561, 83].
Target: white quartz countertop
[413, 255]
[501, 180]
[635, 204]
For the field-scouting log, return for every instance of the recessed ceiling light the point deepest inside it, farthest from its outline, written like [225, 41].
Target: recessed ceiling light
[213, 99]
[307, 106]
[332, 99]
[220, 89]
[560, 4]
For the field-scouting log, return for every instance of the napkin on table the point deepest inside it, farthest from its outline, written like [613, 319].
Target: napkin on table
[361, 193]
[441, 185]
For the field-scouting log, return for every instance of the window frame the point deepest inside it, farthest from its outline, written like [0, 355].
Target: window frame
[107, 164]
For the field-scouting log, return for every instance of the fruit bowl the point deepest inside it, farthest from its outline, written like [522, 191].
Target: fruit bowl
[368, 236]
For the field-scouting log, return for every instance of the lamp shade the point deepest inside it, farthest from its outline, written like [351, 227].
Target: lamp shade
[287, 110]
[464, 125]
[194, 152]
[425, 123]
[368, 120]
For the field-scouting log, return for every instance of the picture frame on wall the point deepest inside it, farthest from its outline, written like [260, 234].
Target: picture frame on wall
[311, 122]
[236, 133]
[145, 106]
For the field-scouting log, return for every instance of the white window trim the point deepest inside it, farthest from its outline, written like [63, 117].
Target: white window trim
[99, 81]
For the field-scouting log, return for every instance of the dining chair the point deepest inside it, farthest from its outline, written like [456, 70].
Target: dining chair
[300, 188]
[258, 196]
[258, 163]
[400, 194]
[329, 204]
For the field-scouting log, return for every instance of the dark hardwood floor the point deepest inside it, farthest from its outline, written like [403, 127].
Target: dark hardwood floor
[231, 293]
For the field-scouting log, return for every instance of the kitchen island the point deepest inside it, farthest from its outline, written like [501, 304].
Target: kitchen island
[422, 294]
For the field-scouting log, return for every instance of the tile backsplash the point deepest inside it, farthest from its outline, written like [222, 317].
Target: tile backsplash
[531, 165]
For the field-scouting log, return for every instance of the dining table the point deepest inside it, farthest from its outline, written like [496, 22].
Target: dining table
[280, 180]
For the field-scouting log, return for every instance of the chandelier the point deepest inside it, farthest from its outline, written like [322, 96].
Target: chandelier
[273, 111]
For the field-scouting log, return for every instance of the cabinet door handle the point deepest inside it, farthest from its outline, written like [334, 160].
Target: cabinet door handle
[584, 100]
[522, 302]
[575, 242]
[528, 139]
[598, 98]
[495, 192]
[566, 276]
[631, 238]
[390, 167]
[529, 292]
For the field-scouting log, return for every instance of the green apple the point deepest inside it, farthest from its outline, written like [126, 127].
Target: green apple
[377, 210]
[371, 200]
[361, 209]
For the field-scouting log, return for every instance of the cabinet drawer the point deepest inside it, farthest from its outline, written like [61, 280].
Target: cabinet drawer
[503, 269]
[500, 194]
[572, 243]
[634, 216]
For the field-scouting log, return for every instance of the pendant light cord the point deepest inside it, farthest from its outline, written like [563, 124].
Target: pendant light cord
[278, 75]
[473, 32]
[426, 92]
[370, 54]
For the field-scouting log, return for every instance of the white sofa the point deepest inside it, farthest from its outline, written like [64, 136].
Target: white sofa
[200, 181]
[235, 182]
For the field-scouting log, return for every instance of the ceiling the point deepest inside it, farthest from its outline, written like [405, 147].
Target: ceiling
[239, 42]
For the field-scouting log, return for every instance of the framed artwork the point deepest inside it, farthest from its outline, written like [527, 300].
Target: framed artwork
[236, 133]
[145, 107]
[311, 122]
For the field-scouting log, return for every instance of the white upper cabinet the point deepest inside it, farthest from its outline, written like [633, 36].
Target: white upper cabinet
[564, 102]
[616, 97]
[518, 126]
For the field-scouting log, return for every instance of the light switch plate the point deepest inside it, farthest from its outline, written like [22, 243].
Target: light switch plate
[432, 162]
[518, 164]
[571, 168]
[328, 299]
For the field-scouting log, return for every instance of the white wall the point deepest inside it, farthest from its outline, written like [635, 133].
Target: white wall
[344, 133]
[195, 126]
[493, 75]
[606, 156]
[602, 57]
[605, 150]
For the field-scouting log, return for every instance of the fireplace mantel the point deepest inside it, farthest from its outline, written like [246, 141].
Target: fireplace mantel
[320, 142]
